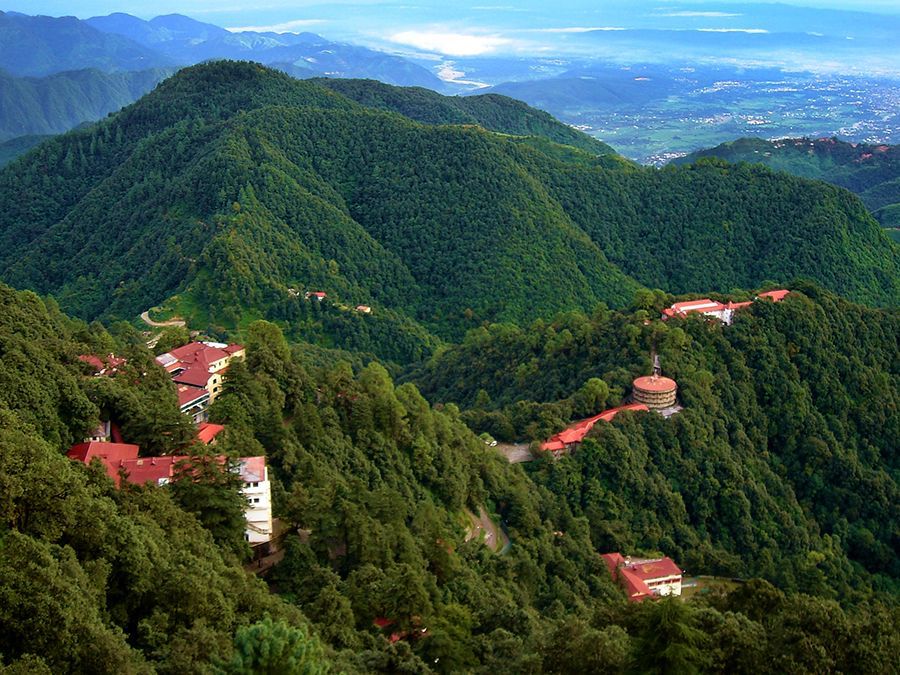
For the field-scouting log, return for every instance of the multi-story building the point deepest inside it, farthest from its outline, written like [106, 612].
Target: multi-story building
[644, 578]
[724, 312]
[198, 370]
[123, 462]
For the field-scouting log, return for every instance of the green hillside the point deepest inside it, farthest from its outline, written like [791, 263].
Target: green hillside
[16, 147]
[59, 102]
[789, 424]
[870, 171]
[232, 184]
[375, 483]
[491, 111]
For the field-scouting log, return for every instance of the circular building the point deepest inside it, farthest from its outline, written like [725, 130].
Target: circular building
[655, 391]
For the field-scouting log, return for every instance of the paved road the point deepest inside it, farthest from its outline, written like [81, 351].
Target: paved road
[494, 538]
[145, 317]
[515, 453]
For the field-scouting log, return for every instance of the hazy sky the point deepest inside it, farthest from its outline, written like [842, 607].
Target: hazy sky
[464, 28]
[220, 11]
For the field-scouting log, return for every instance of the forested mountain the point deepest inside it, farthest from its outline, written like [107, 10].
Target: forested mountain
[870, 171]
[789, 426]
[37, 46]
[16, 147]
[59, 102]
[378, 483]
[231, 184]
[493, 112]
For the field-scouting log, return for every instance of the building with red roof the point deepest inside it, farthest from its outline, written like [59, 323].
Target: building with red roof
[724, 312]
[103, 365]
[775, 296]
[655, 391]
[570, 437]
[644, 578]
[319, 296]
[123, 461]
[111, 454]
[197, 369]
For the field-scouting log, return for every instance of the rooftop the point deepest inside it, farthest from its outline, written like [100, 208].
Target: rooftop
[576, 432]
[207, 432]
[656, 383]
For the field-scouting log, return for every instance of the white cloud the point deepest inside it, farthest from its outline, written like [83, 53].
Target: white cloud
[702, 14]
[452, 44]
[574, 29]
[754, 31]
[285, 27]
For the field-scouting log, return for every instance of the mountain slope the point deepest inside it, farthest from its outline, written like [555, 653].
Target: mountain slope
[232, 184]
[41, 45]
[16, 147]
[493, 112]
[62, 101]
[791, 413]
[870, 171]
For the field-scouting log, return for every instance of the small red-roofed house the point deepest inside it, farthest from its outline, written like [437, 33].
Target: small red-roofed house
[318, 296]
[643, 579]
[103, 366]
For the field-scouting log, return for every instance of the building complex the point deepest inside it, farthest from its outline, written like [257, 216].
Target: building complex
[643, 579]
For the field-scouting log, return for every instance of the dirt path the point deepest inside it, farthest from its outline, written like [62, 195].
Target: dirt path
[145, 317]
[482, 526]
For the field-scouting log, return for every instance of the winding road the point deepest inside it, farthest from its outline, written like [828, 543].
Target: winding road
[145, 317]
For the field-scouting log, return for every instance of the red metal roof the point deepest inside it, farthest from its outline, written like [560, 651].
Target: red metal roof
[207, 432]
[253, 469]
[635, 575]
[655, 569]
[613, 561]
[656, 383]
[195, 376]
[635, 587]
[110, 453]
[118, 457]
[775, 296]
[576, 432]
[701, 305]
[188, 394]
[197, 355]
[150, 469]
[110, 362]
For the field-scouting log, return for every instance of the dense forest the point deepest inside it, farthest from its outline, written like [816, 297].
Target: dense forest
[375, 483]
[790, 426]
[870, 171]
[232, 184]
